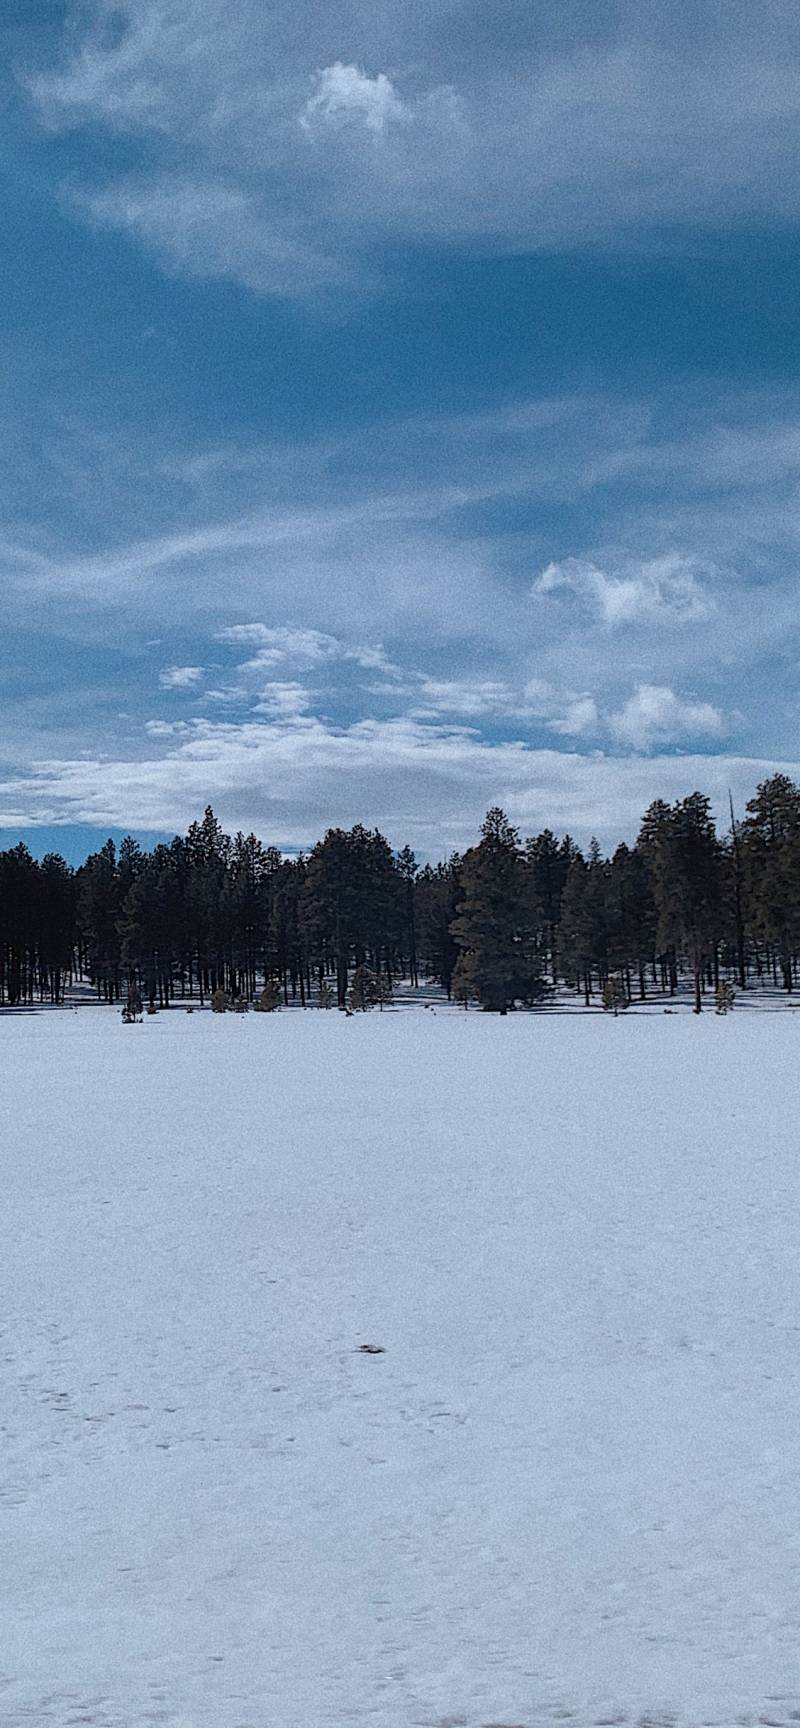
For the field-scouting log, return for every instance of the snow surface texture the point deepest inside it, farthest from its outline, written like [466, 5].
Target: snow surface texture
[569, 1488]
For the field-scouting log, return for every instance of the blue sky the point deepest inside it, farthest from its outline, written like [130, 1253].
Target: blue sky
[399, 413]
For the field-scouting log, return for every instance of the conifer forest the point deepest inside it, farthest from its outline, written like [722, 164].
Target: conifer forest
[502, 924]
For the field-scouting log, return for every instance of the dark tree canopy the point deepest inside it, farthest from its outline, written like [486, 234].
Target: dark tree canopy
[501, 925]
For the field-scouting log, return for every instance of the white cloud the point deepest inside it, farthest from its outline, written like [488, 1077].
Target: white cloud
[664, 590]
[560, 711]
[471, 698]
[276, 643]
[404, 565]
[122, 83]
[257, 634]
[580, 717]
[654, 715]
[211, 227]
[622, 120]
[565, 712]
[343, 92]
[430, 784]
[283, 700]
[373, 659]
[228, 695]
[180, 677]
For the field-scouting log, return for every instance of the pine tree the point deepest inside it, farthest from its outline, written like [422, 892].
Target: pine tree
[631, 917]
[496, 925]
[771, 869]
[438, 894]
[686, 865]
[100, 897]
[209, 914]
[549, 863]
[576, 930]
[350, 902]
[614, 994]
[364, 990]
[464, 983]
[406, 865]
[55, 908]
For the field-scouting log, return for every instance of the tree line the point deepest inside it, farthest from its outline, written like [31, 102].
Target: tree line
[499, 925]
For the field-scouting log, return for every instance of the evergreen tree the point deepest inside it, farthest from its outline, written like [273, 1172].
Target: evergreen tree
[364, 990]
[407, 872]
[549, 861]
[496, 924]
[100, 897]
[438, 893]
[631, 917]
[54, 934]
[687, 880]
[351, 903]
[771, 870]
[576, 929]
[207, 913]
[614, 994]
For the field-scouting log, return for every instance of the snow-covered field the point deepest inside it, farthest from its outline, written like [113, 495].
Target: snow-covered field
[568, 1488]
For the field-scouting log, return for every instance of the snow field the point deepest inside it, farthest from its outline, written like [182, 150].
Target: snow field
[568, 1489]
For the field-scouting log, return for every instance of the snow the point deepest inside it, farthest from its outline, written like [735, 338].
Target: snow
[569, 1487]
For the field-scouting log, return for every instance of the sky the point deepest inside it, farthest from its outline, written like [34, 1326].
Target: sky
[398, 414]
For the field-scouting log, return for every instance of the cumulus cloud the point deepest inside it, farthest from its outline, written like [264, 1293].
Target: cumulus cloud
[180, 677]
[345, 92]
[563, 711]
[277, 643]
[665, 590]
[580, 716]
[654, 714]
[283, 700]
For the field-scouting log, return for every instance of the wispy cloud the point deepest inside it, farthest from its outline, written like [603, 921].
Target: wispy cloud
[561, 711]
[587, 132]
[212, 227]
[390, 600]
[314, 546]
[471, 698]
